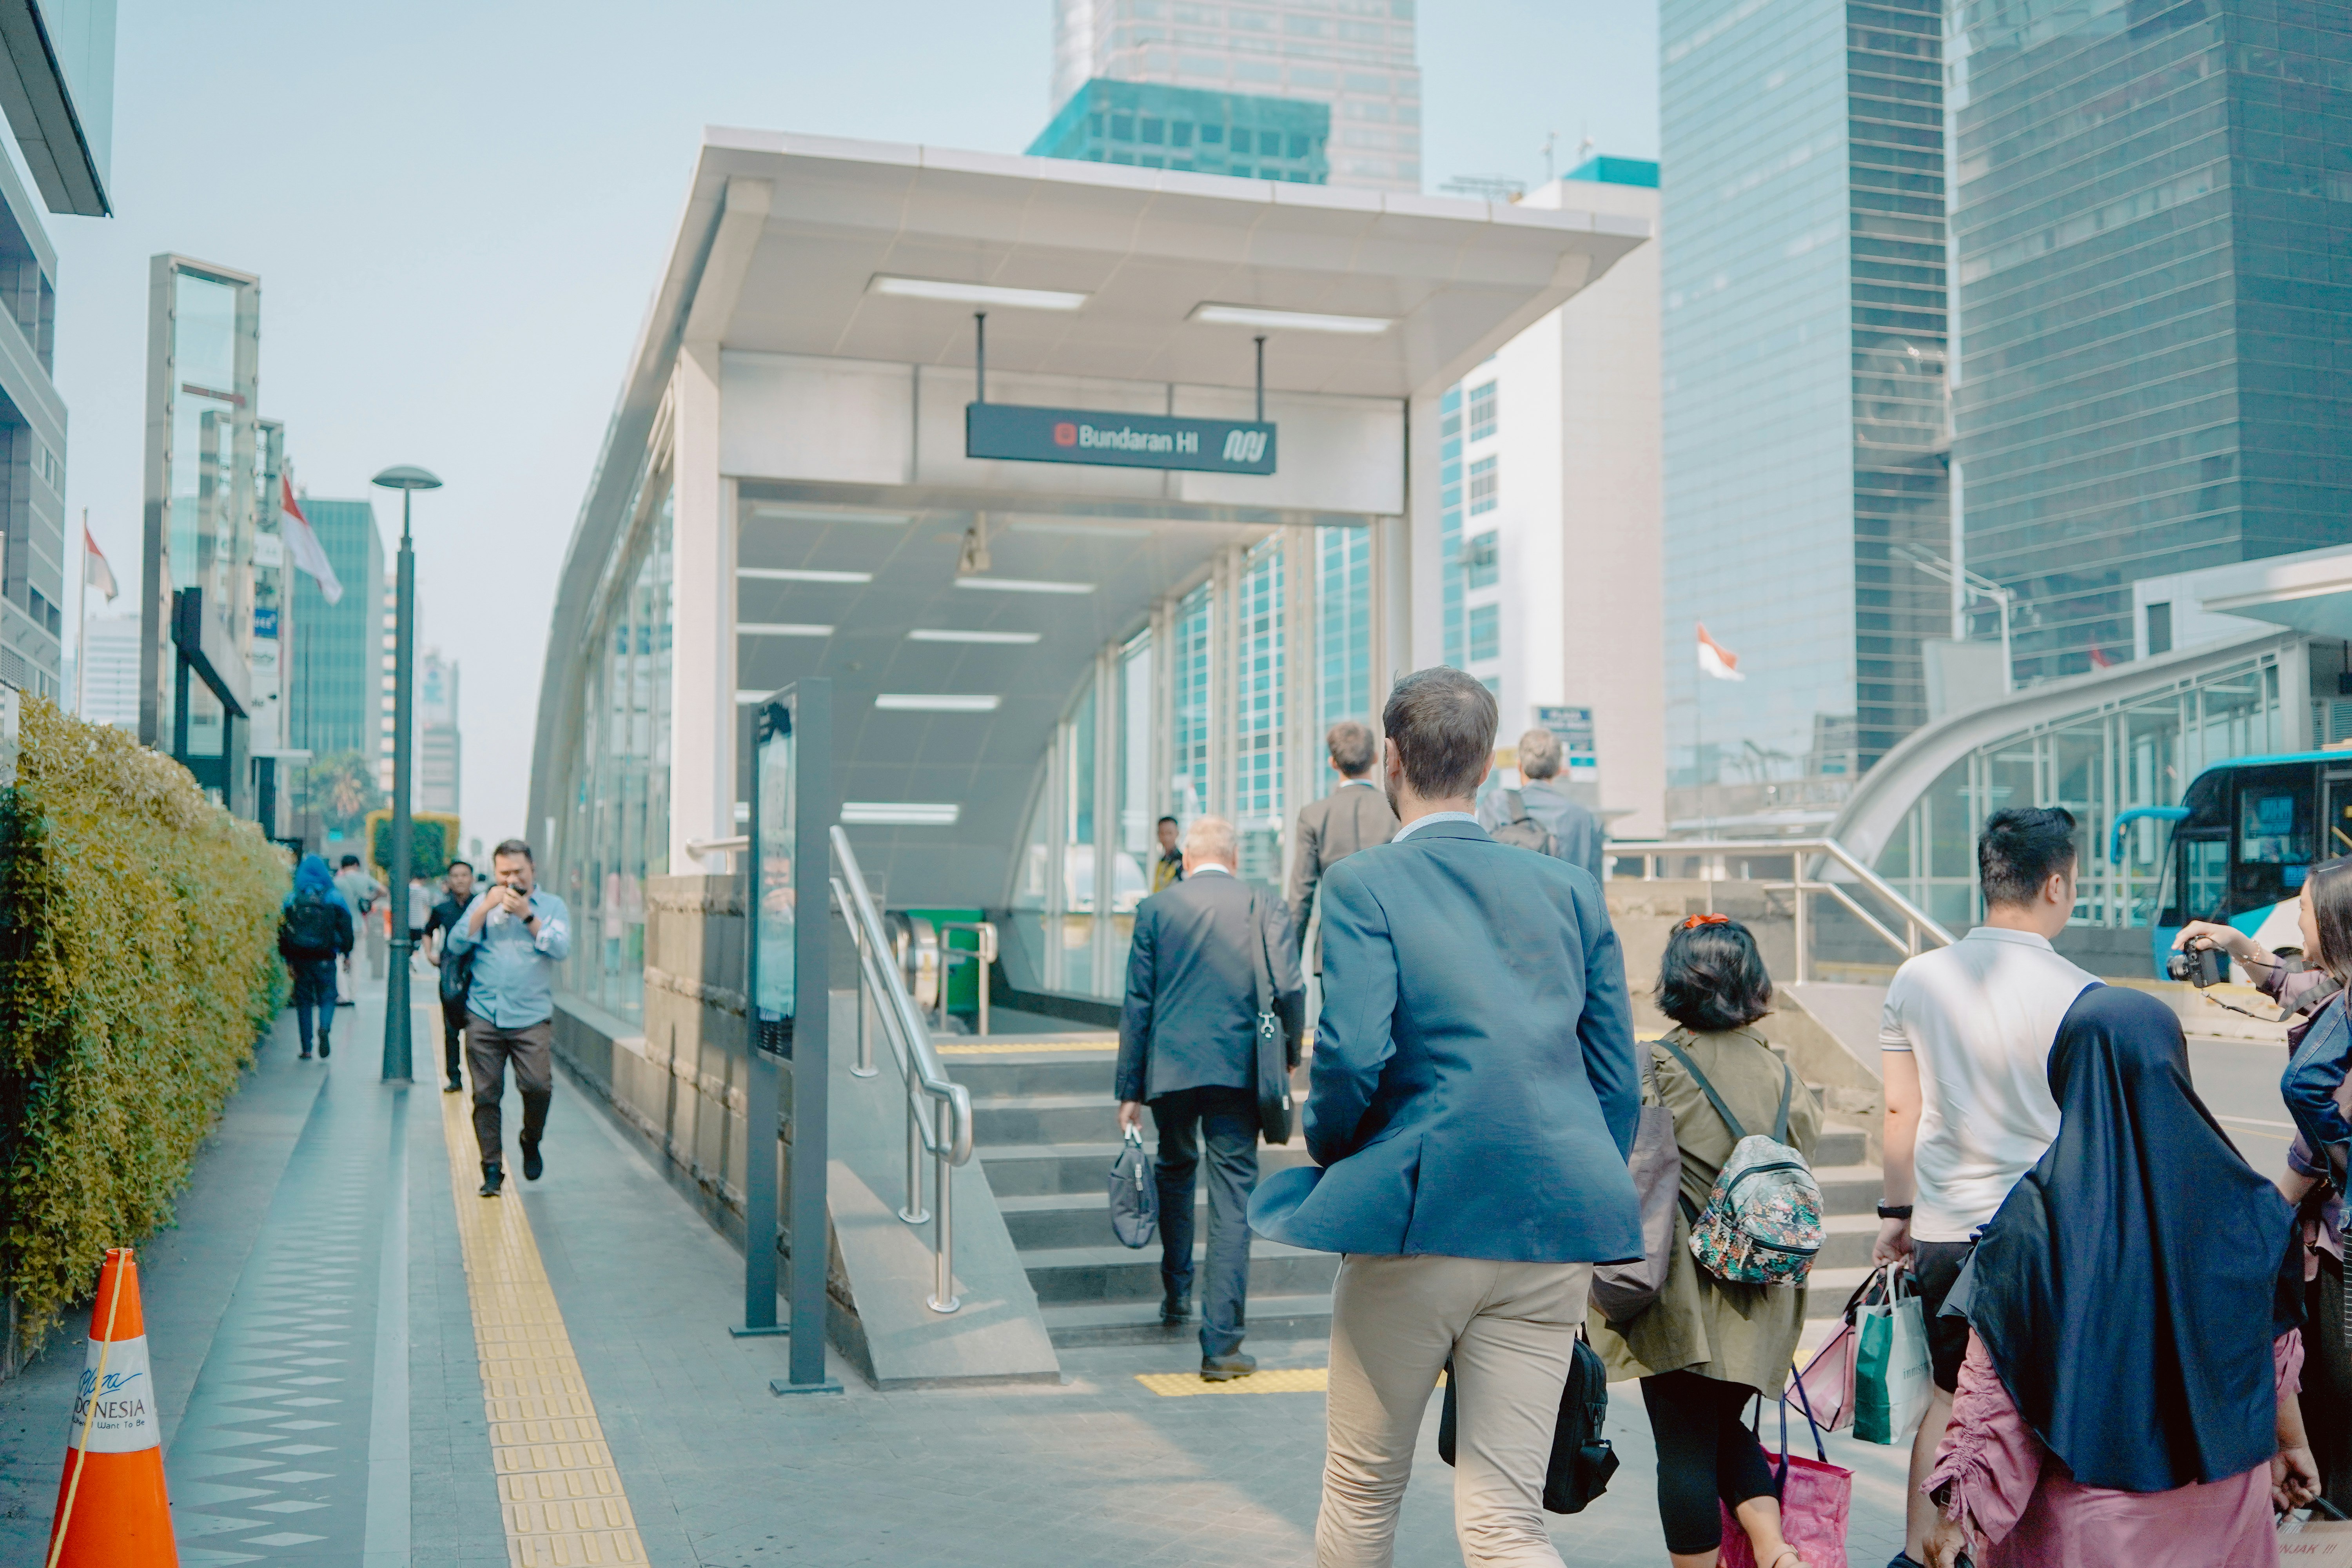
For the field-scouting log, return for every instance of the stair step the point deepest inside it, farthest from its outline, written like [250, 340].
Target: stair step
[1849, 1189]
[1031, 1073]
[1066, 1276]
[1023, 1169]
[998, 1119]
[1305, 1317]
[1840, 1145]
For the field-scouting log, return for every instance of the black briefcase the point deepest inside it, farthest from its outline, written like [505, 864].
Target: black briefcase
[1275, 1057]
[1134, 1194]
[1582, 1461]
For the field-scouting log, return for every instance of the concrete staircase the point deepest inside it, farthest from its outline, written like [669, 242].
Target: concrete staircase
[1044, 1134]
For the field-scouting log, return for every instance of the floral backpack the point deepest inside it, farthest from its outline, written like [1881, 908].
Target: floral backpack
[1762, 1222]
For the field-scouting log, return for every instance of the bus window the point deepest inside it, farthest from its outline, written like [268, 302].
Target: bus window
[2274, 835]
[2200, 870]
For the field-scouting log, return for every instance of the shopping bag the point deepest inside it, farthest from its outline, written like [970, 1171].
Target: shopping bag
[1815, 1498]
[2320, 1541]
[1827, 1380]
[1891, 1380]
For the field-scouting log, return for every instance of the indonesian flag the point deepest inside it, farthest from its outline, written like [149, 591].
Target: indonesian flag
[309, 553]
[95, 572]
[1716, 659]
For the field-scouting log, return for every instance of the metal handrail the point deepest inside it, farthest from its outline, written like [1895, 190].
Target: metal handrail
[1916, 919]
[946, 1134]
[981, 957]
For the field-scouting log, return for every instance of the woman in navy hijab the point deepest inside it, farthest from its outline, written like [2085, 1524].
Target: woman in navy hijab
[2128, 1399]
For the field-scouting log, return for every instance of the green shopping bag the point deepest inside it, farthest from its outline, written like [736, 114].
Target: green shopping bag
[1891, 1380]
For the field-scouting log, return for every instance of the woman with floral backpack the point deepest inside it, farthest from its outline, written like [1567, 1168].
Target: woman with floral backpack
[1709, 1344]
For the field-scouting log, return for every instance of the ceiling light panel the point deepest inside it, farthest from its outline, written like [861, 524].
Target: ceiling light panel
[769, 512]
[899, 814]
[1289, 321]
[780, 629]
[943, 633]
[798, 574]
[974, 293]
[1022, 585]
[934, 702]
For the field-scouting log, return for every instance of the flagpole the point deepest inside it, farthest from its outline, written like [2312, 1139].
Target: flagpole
[81, 619]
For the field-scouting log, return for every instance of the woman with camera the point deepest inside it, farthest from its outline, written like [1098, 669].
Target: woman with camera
[2319, 1052]
[1707, 1346]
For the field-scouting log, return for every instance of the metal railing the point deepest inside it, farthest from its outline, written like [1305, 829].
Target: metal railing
[938, 1111]
[981, 956]
[1715, 854]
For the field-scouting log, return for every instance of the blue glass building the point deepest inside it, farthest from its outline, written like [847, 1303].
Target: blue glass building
[2153, 239]
[1161, 127]
[334, 691]
[1804, 404]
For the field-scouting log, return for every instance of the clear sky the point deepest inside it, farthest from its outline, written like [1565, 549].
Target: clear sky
[459, 213]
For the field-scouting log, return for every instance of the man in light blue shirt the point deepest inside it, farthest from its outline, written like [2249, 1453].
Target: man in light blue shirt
[517, 935]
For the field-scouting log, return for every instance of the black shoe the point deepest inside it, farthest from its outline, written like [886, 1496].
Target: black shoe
[493, 1179]
[325, 1046]
[1176, 1310]
[346, 1002]
[531, 1164]
[1225, 1368]
[453, 1087]
[306, 1056]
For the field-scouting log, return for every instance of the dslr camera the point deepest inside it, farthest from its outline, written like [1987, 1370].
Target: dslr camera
[2201, 966]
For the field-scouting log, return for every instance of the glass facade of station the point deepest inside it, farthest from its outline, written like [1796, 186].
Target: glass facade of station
[2151, 229]
[1803, 347]
[2097, 763]
[1238, 712]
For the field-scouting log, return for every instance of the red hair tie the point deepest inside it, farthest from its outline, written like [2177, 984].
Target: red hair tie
[1695, 921]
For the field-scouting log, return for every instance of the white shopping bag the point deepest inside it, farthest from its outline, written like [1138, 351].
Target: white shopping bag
[1891, 1379]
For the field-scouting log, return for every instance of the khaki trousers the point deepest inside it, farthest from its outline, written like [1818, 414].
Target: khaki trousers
[1510, 1330]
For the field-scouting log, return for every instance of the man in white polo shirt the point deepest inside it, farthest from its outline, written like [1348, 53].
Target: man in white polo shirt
[1964, 1048]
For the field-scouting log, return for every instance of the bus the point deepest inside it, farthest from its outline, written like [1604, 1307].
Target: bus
[2244, 836]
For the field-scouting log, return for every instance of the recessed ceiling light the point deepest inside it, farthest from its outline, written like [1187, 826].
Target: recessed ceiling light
[770, 512]
[928, 633]
[796, 575]
[1023, 585]
[899, 814]
[780, 629]
[934, 702]
[1288, 321]
[975, 293]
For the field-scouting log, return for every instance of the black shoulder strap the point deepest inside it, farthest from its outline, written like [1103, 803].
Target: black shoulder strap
[1519, 806]
[1690, 1066]
[1788, 1091]
[1259, 972]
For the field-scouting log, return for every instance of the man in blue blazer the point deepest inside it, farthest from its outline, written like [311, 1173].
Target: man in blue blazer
[1187, 1045]
[1473, 1098]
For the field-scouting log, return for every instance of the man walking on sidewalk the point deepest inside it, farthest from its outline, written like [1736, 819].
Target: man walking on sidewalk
[513, 936]
[1474, 1095]
[452, 967]
[1964, 1047]
[1188, 1046]
[360, 894]
[1356, 816]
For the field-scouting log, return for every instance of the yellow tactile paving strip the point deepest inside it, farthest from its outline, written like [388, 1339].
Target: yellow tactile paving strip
[561, 1496]
[1012, 1047]
[1291, 1380]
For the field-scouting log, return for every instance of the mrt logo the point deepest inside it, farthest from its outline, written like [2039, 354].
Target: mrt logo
[1066, 433]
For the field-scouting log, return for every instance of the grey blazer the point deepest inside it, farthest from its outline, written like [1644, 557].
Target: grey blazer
[1190, 1017]
[1350, 819]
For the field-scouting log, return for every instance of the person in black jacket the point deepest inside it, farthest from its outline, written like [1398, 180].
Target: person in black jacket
[454, 968]
[1187, 1045]
[313, 928]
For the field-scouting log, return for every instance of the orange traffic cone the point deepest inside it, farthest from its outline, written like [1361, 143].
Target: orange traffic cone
[112, 1508]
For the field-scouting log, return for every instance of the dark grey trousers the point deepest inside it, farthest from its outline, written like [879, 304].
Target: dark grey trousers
[489, 1049]
[1223, 1121]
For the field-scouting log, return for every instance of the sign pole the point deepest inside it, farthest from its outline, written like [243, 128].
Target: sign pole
[812, 815]
[762, 1099]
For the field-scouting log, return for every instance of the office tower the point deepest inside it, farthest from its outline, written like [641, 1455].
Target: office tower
[1548, 489]
[1803, 240]
[335, 686]
[2151, 225]
[58, 60]
[1356, 57]
[108, 675]
[437, 746]
[1160, 127]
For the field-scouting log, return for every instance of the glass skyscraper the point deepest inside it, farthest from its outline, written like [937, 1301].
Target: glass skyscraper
[1802, 225]
[1160, 127]
[2154, 238]
[335, 696]
[1355, 56]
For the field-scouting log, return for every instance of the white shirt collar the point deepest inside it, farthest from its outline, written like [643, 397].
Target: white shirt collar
[1418, 823]
[2002, 933]
[1204, 870]
[1345, 783]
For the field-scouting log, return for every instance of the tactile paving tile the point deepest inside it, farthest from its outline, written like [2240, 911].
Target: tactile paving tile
[1291, 1380]
[559, 1493]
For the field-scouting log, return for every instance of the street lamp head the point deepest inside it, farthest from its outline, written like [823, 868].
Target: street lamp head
[407, 476]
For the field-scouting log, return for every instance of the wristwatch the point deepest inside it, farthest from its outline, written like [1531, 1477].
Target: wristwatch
[1895, 1211]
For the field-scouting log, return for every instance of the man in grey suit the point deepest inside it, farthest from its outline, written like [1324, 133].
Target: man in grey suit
[1356, 816]
[1474, 1095]
[1187, 1045]
[1575, 832]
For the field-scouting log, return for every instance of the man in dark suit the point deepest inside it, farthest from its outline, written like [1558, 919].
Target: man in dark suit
[1474, 1095]
[1356, 816]
[1576, 835]
[1187, 1045]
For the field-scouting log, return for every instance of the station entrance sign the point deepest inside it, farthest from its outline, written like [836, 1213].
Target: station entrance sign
[1026, 435]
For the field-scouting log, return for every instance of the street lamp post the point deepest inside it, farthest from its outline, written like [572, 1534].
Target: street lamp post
[407, 480]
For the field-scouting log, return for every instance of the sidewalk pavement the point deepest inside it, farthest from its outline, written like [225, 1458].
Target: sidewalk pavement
[314, 1349]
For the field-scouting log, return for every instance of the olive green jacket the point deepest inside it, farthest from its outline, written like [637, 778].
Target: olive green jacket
[1737, 1334]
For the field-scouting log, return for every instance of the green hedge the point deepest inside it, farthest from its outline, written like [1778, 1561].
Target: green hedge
[138, 965]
